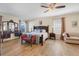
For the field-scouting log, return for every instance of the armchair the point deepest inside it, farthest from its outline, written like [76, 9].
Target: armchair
[30, 40]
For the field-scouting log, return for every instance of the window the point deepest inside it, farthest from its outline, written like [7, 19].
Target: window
[22, 26]
[57, 26]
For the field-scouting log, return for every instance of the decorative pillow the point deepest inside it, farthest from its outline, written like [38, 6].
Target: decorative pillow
[43, 30]
[67, 35]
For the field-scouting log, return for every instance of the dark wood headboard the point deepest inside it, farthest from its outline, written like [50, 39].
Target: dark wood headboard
[42, 27]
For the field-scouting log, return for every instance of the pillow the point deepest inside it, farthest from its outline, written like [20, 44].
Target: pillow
[35, 30]
[43, 30]
[67, 35]
[38, 30]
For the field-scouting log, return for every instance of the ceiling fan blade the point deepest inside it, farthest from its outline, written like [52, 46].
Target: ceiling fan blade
[44, 6]
[46, 11]
[63, 6]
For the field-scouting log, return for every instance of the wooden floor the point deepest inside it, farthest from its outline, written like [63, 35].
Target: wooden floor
[50, 48]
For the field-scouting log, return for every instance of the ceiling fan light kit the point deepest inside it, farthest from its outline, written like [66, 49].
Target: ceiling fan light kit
[52, 6]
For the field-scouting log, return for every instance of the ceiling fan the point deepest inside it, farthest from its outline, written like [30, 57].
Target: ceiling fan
[52, 6]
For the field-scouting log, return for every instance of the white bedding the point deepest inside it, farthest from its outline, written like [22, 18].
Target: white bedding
[45, 34]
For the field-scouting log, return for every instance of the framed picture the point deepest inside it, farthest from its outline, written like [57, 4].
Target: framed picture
[74, 23]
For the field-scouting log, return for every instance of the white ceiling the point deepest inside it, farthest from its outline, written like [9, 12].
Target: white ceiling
[32, 10]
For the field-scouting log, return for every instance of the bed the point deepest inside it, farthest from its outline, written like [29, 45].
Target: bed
[44, 30]
[41, 33]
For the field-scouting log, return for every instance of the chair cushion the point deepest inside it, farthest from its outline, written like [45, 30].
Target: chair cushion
[24, 37]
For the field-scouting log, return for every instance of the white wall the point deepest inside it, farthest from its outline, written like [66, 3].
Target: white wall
[7, 17]
[46, 21]
[68, 23]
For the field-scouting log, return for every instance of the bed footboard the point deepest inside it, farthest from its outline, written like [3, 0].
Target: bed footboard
[41, 40]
